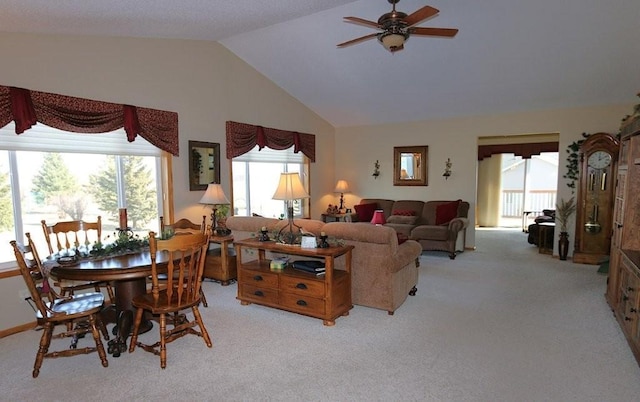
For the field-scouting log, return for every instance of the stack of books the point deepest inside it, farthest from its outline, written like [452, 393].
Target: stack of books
[279, 263]
[310, 266]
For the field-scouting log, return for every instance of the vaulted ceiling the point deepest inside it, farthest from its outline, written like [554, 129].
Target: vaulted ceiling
[508, 56]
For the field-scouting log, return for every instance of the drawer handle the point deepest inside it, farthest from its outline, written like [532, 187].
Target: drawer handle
[258, 278]
[628, 319]
[625, 298]
[619, 225]
[301, 286]
[258, 293]
[301, 303]
[633, 310]
[630, 289]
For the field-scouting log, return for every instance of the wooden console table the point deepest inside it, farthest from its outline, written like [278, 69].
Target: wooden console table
[326, 297]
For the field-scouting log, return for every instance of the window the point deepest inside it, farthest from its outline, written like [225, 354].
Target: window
[255, 177]
[54, 175]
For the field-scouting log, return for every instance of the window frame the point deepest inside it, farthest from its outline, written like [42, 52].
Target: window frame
[254, 157]
[163, 166]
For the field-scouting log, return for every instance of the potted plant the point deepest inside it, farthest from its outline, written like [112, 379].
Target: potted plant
[564, 210]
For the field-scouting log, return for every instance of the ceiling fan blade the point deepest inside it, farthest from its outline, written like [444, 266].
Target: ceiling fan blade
[361, 21]
[357, 40]
[420, 15]
[448, 32]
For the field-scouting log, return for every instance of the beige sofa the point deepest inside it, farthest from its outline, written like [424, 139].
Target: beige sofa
[383, 272]
[418, 221]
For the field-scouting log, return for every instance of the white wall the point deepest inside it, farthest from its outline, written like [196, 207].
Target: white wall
[202, 81]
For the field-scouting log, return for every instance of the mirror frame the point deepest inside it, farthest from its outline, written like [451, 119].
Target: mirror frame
[197, 167]
[423, 151]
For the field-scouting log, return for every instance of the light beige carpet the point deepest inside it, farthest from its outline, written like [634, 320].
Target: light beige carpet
[502, 323]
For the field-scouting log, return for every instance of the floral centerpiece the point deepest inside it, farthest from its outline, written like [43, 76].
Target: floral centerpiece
[124, 243]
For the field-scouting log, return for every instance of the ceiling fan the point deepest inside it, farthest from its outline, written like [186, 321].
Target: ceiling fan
[397, 26]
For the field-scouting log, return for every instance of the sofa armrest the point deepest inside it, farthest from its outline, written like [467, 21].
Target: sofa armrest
[458, 224]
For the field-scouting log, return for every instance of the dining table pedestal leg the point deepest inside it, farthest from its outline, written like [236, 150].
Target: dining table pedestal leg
[126, 290]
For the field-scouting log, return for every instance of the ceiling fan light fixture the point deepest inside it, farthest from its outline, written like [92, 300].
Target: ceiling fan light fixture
[392, 41]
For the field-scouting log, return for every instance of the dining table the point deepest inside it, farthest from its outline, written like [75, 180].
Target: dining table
[128, 272]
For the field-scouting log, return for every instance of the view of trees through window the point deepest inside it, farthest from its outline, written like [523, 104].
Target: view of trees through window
[73, 186]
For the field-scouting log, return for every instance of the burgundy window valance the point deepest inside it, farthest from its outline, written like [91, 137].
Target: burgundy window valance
[80, 115]
[523, 150]
[242, 138]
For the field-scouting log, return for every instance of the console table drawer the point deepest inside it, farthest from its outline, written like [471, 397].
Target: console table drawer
[302, 286]
[302, 304]
[259, 278]
[258, 294]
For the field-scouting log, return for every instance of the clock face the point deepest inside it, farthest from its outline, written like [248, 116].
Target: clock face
[599, 160]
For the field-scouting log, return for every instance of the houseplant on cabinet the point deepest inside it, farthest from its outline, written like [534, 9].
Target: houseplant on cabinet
[564, 210]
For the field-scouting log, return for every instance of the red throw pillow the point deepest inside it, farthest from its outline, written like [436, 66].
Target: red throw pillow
[446, 212]
[365, 211]
[403, 212]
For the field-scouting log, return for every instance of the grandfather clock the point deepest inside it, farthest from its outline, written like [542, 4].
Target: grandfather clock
[596, 196]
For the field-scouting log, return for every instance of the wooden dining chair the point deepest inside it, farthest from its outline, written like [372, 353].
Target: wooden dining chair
[75, 234]
[52, 310]
[187, 252]
[184, 225]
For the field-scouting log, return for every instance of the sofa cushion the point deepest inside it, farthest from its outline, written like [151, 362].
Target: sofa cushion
[403, 219]
[365, 211]
[446, 212]
[428, 232]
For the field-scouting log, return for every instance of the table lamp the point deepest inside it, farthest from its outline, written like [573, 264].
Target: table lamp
[342, 187]
[290, 188]
[214, 196]
[378, 217]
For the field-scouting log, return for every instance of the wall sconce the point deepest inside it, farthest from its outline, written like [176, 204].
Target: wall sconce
[376, 169]
[447, 169]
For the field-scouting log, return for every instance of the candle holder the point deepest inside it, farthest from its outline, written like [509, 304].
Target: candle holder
[125, 231]
[323, 242]
[264, 235]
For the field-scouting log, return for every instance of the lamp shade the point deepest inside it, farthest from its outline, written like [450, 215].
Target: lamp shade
[378, 217]
[214, 195]
[290, 188]
[342, 187]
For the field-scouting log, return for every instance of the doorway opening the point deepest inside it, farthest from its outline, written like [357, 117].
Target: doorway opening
[517, 179]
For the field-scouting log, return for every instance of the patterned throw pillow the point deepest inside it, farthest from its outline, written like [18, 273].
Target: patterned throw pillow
[404, 212]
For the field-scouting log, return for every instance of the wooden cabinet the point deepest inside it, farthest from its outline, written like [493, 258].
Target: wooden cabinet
[623, 282]
[220, 264]
[326, 297]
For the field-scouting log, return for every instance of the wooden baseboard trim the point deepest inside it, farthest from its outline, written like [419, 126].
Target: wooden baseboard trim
[19, 328]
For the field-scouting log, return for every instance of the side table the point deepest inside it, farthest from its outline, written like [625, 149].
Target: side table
[220, 264]
[350, 217]
[546, 237]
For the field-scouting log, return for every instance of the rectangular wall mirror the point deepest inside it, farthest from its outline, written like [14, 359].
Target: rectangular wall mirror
[410, 166]
[204, 164]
